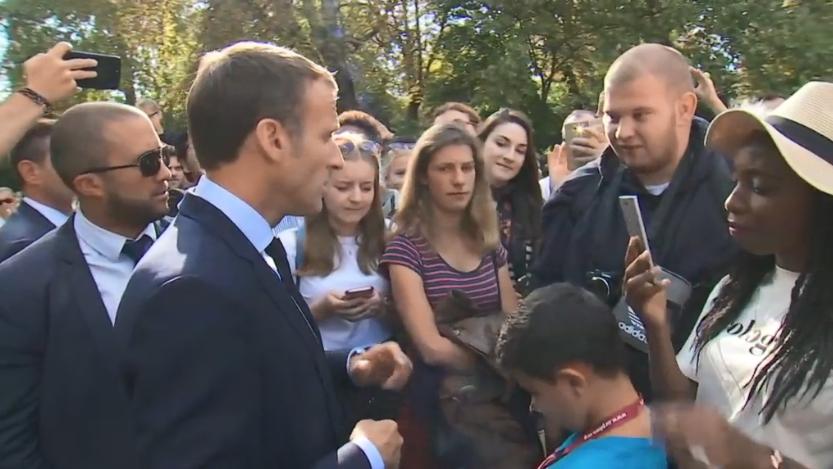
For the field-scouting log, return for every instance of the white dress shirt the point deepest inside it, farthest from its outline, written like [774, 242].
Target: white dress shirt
[257, 230]
[56, 217]
[110, 268]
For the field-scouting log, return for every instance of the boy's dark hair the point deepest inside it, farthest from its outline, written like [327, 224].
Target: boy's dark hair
[557, 325]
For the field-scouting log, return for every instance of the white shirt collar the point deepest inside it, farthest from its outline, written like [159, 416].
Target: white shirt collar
[56, 217]
[248, 220]
[105, 242]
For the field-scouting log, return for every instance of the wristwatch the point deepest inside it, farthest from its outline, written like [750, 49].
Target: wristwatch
[37, 98]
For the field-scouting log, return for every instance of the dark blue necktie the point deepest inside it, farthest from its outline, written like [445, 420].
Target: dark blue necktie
[135, 249]
[276, 251]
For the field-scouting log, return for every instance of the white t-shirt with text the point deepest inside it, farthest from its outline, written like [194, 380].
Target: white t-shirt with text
[803, 430]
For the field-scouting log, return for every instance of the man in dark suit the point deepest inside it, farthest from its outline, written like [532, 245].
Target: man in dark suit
[47, 201]
[62, 403]
[224, 362]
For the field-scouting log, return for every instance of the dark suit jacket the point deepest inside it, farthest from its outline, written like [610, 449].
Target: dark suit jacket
[61, 402]
[222, 369]
[23, 228]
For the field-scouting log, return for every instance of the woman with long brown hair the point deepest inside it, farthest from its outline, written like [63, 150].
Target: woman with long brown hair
[512, 172]
[447, 245]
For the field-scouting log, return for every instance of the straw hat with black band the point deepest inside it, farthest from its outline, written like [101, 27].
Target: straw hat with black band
[801, 127]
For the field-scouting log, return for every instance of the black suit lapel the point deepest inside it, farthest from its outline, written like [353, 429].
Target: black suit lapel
[38, 223]
[217, 223]
[291, 309]
[85, 294]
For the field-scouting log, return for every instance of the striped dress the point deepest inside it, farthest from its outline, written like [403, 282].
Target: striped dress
[439, 278]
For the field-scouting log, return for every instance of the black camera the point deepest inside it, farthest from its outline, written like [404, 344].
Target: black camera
[604, 285]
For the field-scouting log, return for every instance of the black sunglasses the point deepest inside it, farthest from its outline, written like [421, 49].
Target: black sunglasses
[149, 163]
[366, 148]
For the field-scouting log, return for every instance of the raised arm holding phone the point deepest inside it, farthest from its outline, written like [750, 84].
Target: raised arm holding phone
[757, 366]
[49, 79]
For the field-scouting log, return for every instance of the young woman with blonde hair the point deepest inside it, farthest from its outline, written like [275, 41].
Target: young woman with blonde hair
[335, 257]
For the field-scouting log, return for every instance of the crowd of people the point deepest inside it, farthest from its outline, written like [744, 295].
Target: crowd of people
[283, 286]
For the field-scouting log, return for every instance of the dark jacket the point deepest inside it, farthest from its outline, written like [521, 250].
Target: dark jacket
[62, 405]
[221, 366]
[23, 228]
[584, 230]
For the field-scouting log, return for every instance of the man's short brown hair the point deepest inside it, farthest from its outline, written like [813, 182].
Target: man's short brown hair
[33, 146]
[474, 117]
[240, 85]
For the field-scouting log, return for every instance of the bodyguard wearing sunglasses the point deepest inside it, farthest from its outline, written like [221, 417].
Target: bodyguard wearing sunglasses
[62, 404]
[47, 201]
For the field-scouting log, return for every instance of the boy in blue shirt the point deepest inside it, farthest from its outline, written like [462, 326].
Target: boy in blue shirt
[564, 348]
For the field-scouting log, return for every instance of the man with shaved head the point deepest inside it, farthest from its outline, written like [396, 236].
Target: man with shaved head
[62, 404]
[657, 154]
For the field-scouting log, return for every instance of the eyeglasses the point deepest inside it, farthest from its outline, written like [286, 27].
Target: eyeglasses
[149, 163]
[366, 148]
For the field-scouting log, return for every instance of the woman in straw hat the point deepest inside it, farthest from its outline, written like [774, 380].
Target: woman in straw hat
[758, 365]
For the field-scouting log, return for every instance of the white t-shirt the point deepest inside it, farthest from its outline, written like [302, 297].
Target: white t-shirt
[804, 430]
[337, 333]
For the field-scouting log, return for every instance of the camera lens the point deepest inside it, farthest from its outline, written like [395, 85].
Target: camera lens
[600, 287]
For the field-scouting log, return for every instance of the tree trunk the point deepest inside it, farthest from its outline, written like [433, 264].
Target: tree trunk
[328, 38]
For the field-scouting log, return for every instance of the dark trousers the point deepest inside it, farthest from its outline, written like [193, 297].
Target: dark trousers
[371, 403]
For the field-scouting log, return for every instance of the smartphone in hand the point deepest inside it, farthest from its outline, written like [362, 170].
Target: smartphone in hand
[108, 70]
[633, 219]
[364, 292]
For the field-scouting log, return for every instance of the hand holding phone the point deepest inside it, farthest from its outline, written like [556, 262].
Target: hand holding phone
[107, 70]
[364, 292]
[633, 220]
[55, 78]
[585, 141]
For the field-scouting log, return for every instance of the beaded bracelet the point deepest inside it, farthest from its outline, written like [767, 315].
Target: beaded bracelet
[36, 98]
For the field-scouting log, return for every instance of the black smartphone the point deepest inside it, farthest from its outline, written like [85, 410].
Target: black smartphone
[108, 69]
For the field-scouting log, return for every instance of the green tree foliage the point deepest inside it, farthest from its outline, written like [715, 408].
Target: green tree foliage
[401, 58]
